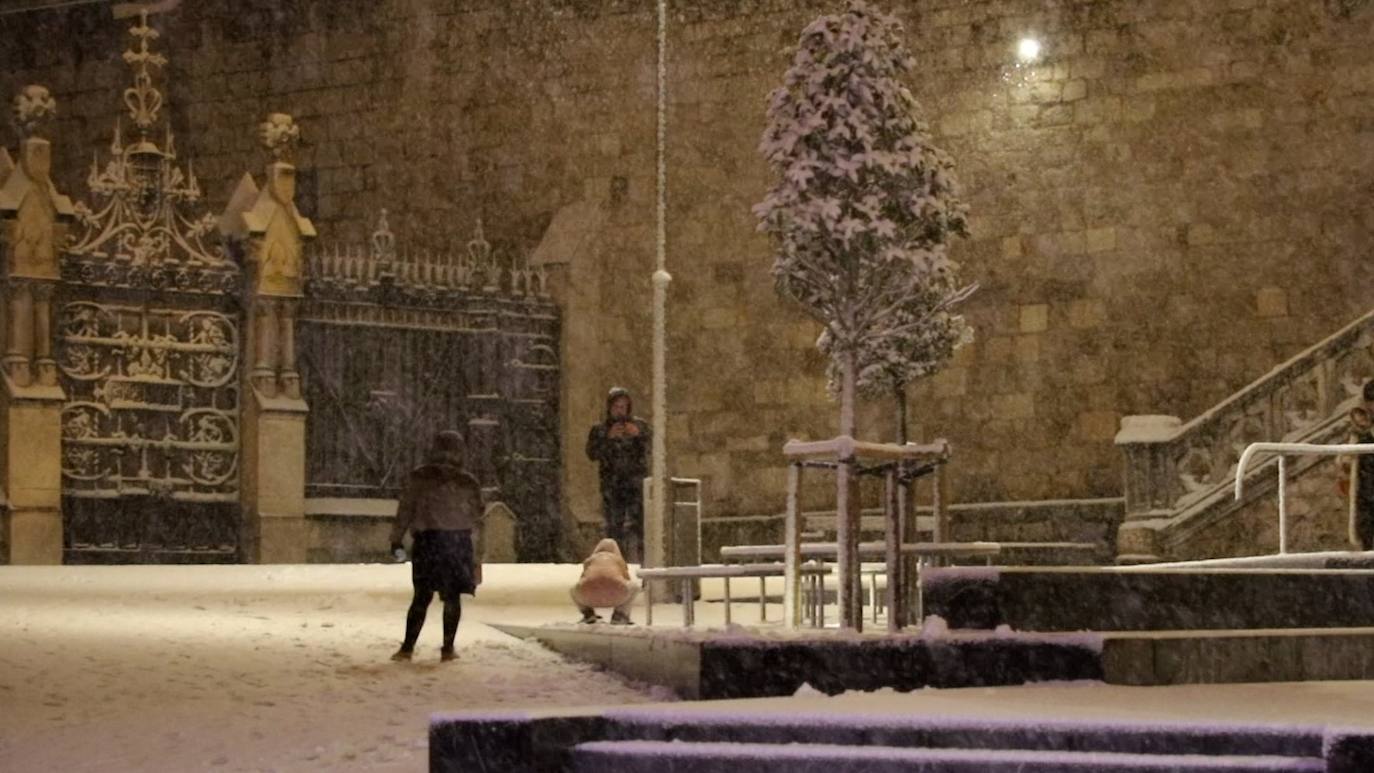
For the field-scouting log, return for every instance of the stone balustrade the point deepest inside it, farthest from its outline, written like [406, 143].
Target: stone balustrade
[1177, 473]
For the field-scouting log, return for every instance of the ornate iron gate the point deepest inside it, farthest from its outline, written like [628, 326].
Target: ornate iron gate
[393, 348]
[148, 351]
[145, 331]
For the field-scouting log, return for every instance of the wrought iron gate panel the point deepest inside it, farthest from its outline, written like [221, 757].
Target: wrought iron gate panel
[395, 348]
[152, 402]
[375, 395]
[150, 428]
[148, 347]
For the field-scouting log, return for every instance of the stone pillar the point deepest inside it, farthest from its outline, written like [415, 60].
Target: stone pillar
[1149, 485]
[44, 366]
[264, 373]
[35, 218]
[273, 482]
[290, 378]
[32, 469]
[19, 347]
[272, 234]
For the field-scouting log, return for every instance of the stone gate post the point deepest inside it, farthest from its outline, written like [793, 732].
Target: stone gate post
[272, 235]
[35, 218]
[1145, 443]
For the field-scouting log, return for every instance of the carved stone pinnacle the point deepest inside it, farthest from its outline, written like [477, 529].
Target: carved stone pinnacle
[280, 135]
[34, 109]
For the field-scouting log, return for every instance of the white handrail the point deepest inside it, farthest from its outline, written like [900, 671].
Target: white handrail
[1313, 449]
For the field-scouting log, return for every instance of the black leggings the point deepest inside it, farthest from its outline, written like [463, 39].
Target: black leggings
[622, 512]
[415, 618]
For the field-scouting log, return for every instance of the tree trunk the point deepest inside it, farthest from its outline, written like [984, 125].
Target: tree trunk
[847, 508]
[899, 394]
[848, 364]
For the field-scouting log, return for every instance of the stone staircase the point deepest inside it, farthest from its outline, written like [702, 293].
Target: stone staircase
[688, 740]
[1178, 476]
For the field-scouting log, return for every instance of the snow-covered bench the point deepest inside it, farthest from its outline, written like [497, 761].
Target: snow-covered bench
[867, 550]
[870, 569]
[690, 575]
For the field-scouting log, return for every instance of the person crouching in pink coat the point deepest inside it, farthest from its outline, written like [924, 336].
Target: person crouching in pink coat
[605, 582]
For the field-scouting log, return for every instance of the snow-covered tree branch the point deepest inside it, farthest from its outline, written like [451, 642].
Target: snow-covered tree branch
[863, 207]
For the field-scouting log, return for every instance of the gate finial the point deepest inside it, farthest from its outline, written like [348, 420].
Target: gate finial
[144, 101]
[383, 241]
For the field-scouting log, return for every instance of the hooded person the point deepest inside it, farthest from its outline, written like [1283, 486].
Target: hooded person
[605, 582]
[1362, 495]
[619, 445]
[441, 506]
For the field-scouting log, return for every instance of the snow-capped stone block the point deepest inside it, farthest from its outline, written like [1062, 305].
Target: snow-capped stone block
[846, 447]
[1148, 429]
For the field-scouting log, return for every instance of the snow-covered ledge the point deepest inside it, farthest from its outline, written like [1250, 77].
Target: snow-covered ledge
[845, 447]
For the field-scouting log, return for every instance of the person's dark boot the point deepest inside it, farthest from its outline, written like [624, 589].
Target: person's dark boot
[620, 618]
[446, 654]
[589, 617]
[403, 655]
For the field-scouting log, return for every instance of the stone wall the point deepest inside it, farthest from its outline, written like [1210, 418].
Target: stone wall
[1168, 204]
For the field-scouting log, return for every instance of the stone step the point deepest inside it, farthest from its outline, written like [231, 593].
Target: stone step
[733, 664]
[1327, 559]
[711, 757]
[1231, 656]
[686, 725]
[1148, 599]
[763, 737]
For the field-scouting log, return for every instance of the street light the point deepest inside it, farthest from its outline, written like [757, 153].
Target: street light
[1028, 50]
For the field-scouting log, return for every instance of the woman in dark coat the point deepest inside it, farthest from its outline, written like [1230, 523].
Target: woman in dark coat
[441, 507]
[1362, 498]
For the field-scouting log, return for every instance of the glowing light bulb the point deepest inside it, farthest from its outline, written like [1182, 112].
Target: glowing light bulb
[1028, 50]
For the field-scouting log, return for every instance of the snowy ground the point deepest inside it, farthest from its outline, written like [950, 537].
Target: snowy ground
[261, 667]
[248, 668]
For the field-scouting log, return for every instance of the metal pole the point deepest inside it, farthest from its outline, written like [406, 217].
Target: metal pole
[657, 517]
[763, 599]
[938, 504]
[791, 557]
[727, 599]
[1283, 507]
[895, 583]
[849, 593]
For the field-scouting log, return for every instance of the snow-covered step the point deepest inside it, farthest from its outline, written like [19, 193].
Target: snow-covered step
[1231, 656]
[772, 735]
[702, 723]
[1148, 599]
[1325, 559]
[712, 757]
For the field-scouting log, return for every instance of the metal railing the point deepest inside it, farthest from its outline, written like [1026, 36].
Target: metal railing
[1311, 449]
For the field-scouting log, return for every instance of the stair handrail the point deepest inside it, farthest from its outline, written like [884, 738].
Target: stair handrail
[1313, 449]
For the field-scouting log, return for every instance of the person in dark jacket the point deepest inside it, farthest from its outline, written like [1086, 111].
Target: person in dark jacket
[441, 507]
[620, 446]
[1361, 431]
